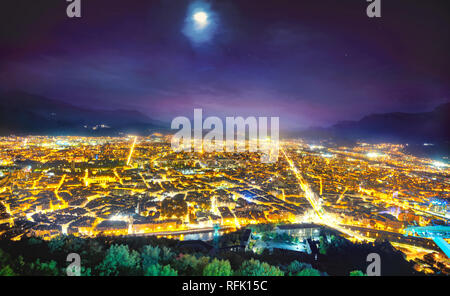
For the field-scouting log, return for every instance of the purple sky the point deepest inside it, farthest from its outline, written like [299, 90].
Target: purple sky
[310, 62]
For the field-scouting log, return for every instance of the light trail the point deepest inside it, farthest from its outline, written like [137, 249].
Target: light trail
[86, 177]
[305, 187]
[118, 177]
[342, 195]
[321, 186]
[131, 150]
[320, 180]
[64, 203]
[145, 181]
[61, 181]
[35, 182]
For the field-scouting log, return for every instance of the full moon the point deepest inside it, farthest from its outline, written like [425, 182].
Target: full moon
[201, 18]
[200, 23]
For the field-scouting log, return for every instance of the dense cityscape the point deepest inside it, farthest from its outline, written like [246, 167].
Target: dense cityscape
[135, 186]
[240, 139]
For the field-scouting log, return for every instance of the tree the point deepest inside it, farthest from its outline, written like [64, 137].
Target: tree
[202, 262]
[150, 256]
[19, 265]
[234, 258]
[295, 267]
[74, 244]
[188, 264]
[120, 261]
[5, 259]
[7, 271]
[323, 245]
[85, 271]
[44, 268]
[218, 268]
[68, 243]
[56, 244]
[158, 270]
[92, 254]
[166, 255]
[168, 271]
[309, 272]
[357, 273]
[253, 267]
[35, 241]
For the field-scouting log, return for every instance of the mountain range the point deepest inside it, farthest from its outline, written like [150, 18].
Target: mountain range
[22, 114]
[424, 127]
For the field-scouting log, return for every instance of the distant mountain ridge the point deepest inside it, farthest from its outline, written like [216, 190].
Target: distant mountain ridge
[422, 127]
[23, 113]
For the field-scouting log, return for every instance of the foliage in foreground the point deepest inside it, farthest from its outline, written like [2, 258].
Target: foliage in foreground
[39, 257]
[151, 256]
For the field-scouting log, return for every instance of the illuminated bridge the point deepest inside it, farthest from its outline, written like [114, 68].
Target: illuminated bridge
[436, 233]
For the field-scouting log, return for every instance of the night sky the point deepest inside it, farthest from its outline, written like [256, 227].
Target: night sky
[311, 62]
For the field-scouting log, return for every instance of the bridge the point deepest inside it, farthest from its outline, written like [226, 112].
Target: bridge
[436, 233]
